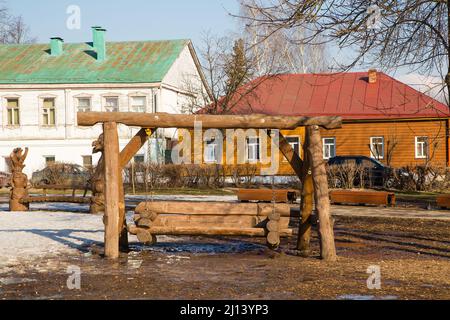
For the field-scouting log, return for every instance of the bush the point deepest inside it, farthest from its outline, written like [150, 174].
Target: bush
[155, 176]
[423, 178]
[243, 174]
[346, 176]
[409, 178]
[61, 173]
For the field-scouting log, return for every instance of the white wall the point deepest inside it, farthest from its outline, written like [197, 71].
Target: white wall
[30, 106]
[68, 142]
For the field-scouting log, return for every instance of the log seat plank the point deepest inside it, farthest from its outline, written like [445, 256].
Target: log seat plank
[443, 201]
[208, 231]
[362, 197]
[267, 195]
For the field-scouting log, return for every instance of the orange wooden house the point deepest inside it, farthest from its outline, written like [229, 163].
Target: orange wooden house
[383, 117]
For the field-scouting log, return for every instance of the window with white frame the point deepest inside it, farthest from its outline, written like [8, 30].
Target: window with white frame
[84, 104]
[48, 112]
[422, 147]
[253, 150]
[112, 104]
[329, 148]
[138, 104]
[295, 144]
[49, 160]
[12, 106]
[212, 151]
[377, 147]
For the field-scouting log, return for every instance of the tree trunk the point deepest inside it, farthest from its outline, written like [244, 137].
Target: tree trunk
[321, 195]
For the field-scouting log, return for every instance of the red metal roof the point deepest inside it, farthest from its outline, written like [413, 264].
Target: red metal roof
[349, 95]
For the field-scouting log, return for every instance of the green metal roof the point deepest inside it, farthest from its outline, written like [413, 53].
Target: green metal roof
[127, 62]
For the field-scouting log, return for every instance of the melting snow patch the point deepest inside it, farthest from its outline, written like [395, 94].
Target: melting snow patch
[26, 236]
[10, 281]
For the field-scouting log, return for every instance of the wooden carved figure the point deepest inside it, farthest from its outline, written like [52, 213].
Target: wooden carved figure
[19, 181]
[97, 180]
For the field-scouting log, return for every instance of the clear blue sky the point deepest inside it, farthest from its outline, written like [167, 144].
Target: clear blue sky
[132, 19]
[128, 19]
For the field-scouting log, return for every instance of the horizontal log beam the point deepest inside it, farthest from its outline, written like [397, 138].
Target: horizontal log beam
[232, 221]
[215, 208]
[208, 231]
[61, 187]
[165, 120]
[57, 199]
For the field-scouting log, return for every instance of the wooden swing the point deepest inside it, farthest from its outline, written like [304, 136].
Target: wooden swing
[311, 170]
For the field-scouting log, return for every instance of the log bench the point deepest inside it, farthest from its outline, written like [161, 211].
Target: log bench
[363, 197]
[267, 195]
[59, 198]
[443, 201]
[212, 219]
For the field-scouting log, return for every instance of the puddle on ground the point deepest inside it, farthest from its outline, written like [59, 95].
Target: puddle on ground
[357, 297]
[199, 248]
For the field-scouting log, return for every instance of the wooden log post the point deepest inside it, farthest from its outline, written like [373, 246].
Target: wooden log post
[306, 205]
[302, 168]
[321, 195]
[98, 199]
[112, 189]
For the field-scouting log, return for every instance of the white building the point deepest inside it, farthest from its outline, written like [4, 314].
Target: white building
[42, 87]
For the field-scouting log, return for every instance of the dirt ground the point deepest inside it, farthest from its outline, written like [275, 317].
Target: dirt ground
[413, 254]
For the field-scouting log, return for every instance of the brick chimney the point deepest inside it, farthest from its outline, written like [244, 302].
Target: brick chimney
[373, 73]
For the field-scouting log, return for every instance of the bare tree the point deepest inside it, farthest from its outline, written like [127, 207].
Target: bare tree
[292, 56]
[391, 33]
[19, 32]
[230, 68]
[13, 29]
